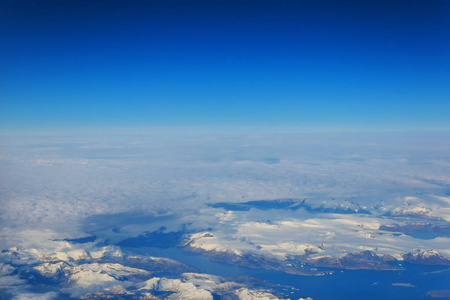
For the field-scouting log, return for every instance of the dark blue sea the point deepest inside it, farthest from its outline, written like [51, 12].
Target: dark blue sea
[414, 282]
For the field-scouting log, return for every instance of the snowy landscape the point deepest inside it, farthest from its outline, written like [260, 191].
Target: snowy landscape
[155, 215]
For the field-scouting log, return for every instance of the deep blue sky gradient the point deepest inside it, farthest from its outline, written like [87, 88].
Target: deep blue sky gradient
[337, 64]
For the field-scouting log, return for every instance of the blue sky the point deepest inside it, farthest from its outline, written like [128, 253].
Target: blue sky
[327, 64]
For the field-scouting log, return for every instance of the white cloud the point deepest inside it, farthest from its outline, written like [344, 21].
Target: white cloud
[34, 296]
[52, 185]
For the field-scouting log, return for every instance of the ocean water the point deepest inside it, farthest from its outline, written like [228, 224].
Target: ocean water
[414, 282]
